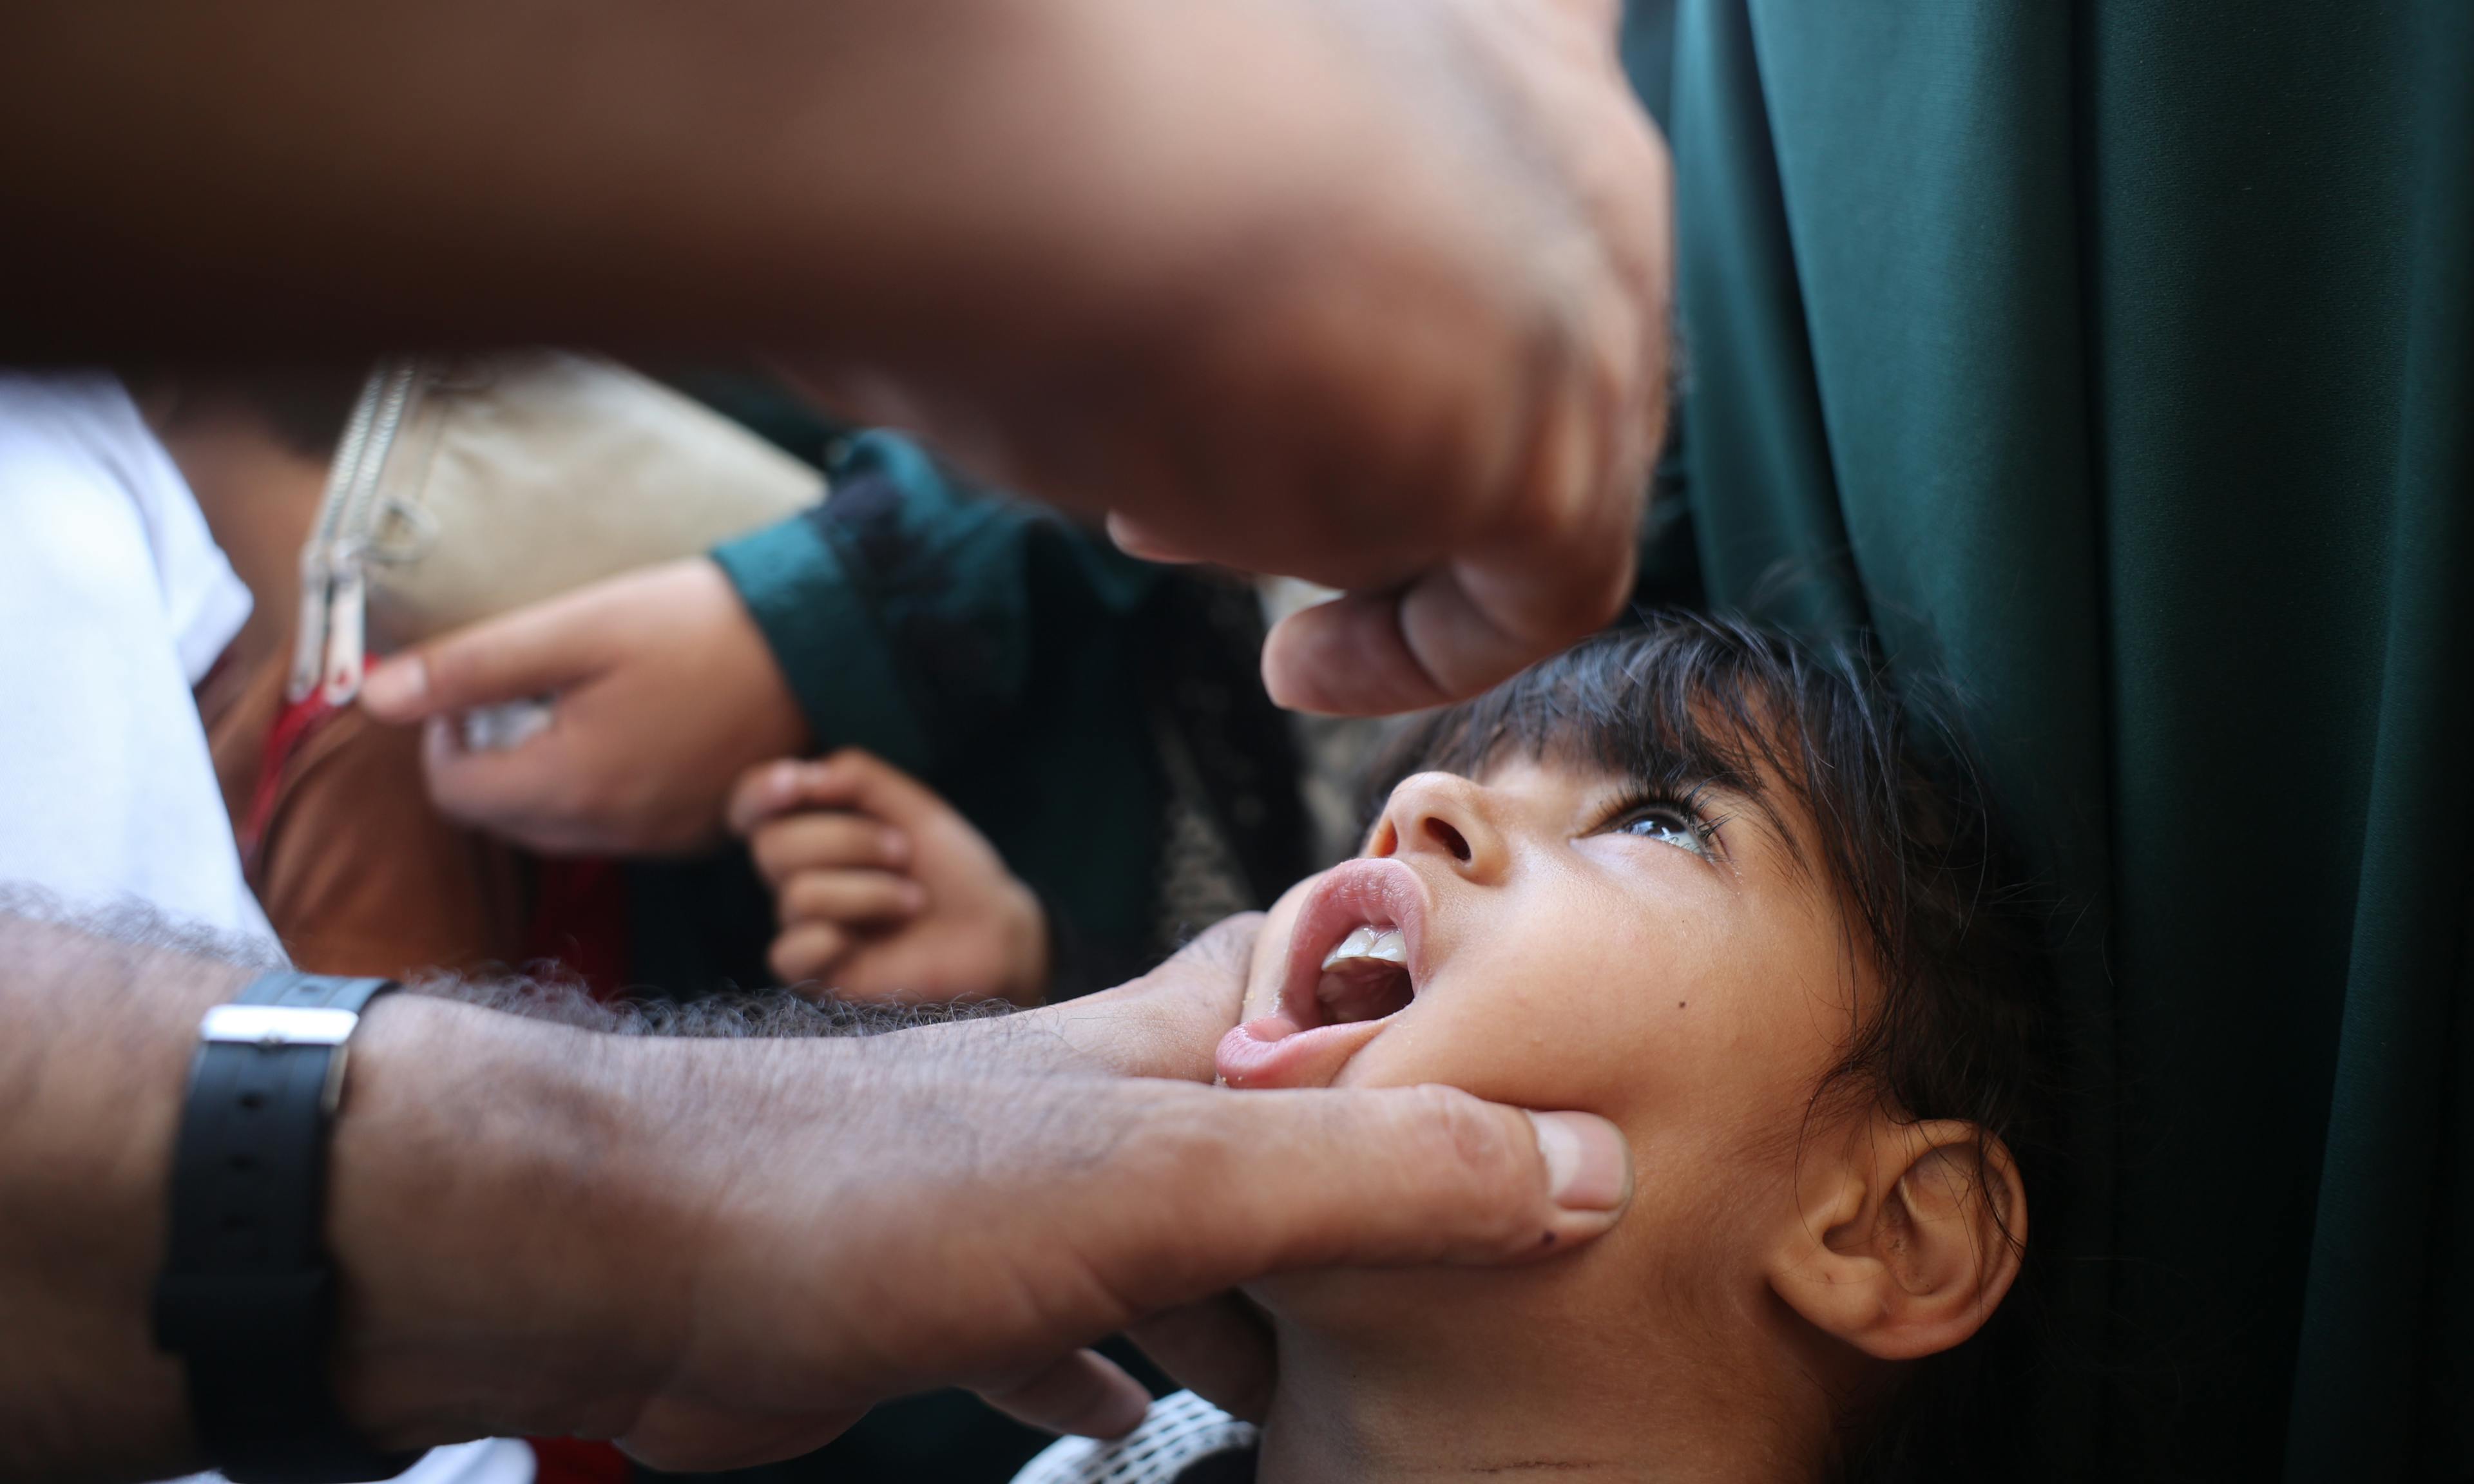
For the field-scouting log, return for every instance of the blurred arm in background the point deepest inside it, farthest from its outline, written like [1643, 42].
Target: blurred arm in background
[1369, 295]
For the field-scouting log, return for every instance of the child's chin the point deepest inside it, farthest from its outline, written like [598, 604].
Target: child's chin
[1443, 1301]
[1328, 1299]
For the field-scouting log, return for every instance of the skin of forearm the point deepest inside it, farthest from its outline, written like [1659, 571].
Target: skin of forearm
[465, 1308]
[538, 1227]
[497, 1179]
[811, 177]
[493, 1180]
[720, 1255]
[492, 1186]
[95, 1041]
[461, 1129]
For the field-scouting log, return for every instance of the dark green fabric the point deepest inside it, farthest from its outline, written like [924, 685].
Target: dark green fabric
[990, 649]
[2115, 359]
[827, 640]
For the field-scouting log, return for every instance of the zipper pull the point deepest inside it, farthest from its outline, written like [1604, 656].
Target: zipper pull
[346, 613]
[310, 640]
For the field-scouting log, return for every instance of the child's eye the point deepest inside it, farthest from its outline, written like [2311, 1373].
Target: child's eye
[1667, 822]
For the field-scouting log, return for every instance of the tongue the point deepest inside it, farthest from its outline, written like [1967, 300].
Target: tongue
[1362, 989]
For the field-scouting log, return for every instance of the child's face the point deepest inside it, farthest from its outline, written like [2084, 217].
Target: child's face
[1568, 948]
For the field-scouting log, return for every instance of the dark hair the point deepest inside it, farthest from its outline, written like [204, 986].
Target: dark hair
[1905, 836]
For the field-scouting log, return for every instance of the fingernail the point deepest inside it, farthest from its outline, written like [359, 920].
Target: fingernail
[897, 847]
[396, 685]
[1587, 1165]
[914, 896]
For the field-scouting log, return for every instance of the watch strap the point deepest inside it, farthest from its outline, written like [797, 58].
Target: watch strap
[246, 1294]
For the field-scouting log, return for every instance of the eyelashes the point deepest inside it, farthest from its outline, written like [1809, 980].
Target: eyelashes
[1675, 817]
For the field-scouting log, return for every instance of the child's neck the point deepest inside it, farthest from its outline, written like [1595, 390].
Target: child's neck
[1463, 1396]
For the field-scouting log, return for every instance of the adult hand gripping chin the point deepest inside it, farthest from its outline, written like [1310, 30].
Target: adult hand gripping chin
[661, 692]
[828, 1225]
[1410, 340]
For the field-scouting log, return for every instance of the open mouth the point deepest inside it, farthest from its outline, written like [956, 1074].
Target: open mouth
[1367, 977]
[1354, 964]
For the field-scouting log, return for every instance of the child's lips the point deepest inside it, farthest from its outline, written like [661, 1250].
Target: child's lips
[1307, 1037]
[1273, 1052]
[1384, 895]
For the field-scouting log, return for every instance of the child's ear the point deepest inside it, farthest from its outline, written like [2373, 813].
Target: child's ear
[1903, 1245]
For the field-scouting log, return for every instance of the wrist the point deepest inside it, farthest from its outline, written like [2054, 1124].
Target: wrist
[503, 1245]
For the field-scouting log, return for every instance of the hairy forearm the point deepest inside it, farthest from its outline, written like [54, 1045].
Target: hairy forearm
[510, 1155]
[719, 1253]
[489, 1196]
[95, 1039]
[481, 1165]
[459, 1126]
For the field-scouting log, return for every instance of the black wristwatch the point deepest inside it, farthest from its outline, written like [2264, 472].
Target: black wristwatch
[246, 1296]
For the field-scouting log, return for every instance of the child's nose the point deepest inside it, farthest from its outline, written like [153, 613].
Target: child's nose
[1442, 816]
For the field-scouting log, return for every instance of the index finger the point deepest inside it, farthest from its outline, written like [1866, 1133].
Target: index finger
[533, 651]
[1162, 1025]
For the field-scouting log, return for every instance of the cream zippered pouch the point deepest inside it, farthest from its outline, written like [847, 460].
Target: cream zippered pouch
[467, 486]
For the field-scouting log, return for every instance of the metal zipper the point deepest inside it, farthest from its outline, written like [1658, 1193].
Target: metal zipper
[330, 651]
[309, 636]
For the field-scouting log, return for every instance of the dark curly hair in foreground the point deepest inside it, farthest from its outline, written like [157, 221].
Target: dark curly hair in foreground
[1908, 839]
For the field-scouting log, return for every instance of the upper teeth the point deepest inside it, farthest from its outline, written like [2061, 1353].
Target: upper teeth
[1368, 941]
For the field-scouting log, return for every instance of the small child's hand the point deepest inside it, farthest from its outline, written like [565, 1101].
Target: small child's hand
[883, 891]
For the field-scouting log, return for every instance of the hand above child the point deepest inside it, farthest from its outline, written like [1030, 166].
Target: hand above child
[883, 891]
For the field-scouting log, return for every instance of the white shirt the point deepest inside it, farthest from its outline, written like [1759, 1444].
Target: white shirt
[114, 602]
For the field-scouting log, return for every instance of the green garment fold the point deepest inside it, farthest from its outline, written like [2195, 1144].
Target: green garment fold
[2118, 360]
